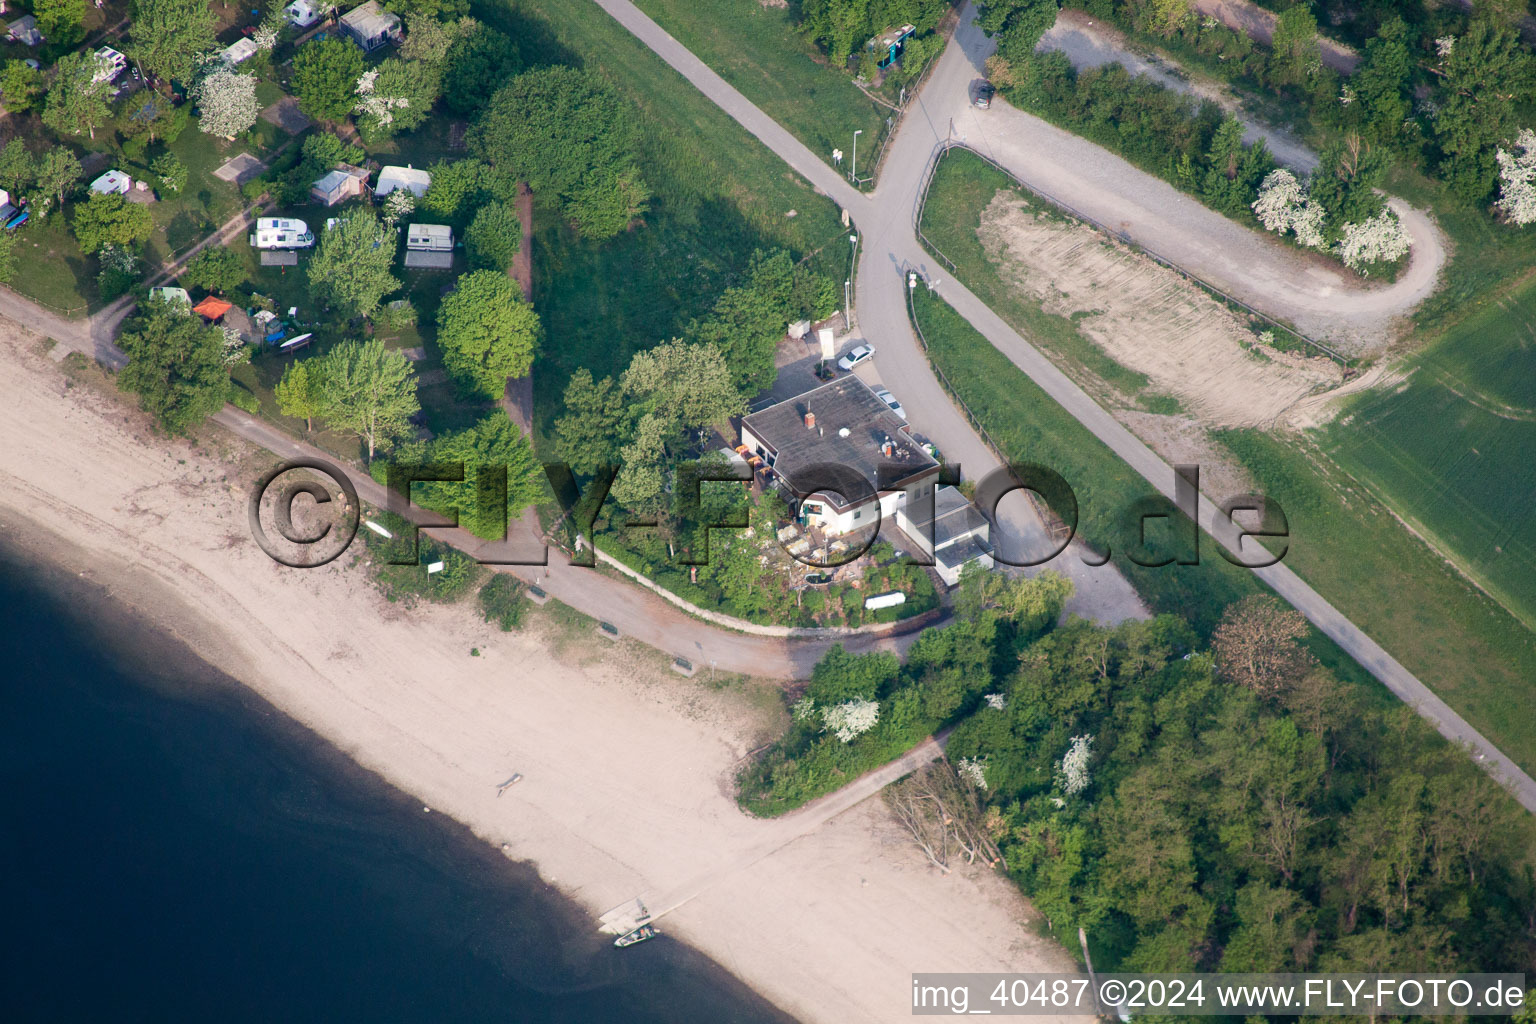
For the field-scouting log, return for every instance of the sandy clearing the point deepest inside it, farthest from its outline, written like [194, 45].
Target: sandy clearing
[162, 524]
[1147, 318]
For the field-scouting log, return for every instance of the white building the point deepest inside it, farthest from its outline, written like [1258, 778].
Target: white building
[841, 424]
[952, 531]
[109, 64]
[394, 176]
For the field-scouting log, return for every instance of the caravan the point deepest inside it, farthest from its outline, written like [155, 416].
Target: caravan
[429, 238]
[281, 233]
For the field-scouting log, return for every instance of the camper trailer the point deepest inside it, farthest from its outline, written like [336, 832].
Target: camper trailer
[109, 64]
[281, 233]
[429, 238]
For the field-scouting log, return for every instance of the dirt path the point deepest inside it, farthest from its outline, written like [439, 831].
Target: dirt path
[1258, 24]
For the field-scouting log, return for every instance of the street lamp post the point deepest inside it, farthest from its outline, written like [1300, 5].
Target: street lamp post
[853, 257]
[854, 174]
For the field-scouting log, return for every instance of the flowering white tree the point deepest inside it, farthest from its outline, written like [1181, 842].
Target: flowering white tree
[1283, 205]
[1380, 239]
[851, 718]
[265, 37]
[996, 701]
[1445, 46]
[234, 347]
[227, 102]
[371, 103]
[973, 770]
[1517, 171]
[803, 708]
[1073, 767]
[399, 204]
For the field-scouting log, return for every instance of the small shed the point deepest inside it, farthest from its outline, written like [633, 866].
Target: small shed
[340, 184]
[24, 30]
[371, 26]
[211, 309]
[113, 181]
[394, 176]
[242, 49]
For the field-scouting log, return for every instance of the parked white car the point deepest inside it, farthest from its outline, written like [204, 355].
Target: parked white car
[890, 400]
[855, 356]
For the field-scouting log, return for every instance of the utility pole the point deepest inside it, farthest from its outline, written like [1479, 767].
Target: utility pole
[854, 173]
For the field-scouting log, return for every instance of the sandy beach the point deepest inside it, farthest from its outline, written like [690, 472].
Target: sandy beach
[627, 767]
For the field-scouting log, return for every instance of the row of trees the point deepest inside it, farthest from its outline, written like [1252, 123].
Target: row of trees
[1440, 89]
[841, 27]
[1234, 809]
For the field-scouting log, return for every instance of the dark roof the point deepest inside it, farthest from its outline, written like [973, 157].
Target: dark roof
[958, 554]
[845, 405]
[953, 516]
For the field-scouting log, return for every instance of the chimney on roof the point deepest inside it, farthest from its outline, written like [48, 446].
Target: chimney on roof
[810, 420]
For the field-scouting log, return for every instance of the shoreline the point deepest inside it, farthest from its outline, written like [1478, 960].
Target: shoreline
[627, 768]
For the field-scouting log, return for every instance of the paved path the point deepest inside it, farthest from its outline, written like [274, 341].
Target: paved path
[889, 247]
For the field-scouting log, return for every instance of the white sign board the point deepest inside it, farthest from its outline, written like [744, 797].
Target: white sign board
[438, 567]
[828, 347]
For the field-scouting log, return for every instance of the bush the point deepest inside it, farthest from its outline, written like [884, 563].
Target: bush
[241, 397]
[502, 601]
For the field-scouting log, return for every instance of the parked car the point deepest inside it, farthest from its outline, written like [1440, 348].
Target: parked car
[984, 94]
[855, 356]
[890, 400]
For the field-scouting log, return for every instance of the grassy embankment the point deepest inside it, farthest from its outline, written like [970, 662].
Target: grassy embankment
[758, 49]
[1472, 651]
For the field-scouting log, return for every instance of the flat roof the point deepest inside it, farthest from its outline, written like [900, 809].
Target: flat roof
[953, 516]
[851, 426]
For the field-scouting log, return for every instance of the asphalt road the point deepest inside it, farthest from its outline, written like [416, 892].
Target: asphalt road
[889, 248]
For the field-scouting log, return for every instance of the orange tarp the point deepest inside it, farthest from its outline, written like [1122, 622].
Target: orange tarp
[212, 308]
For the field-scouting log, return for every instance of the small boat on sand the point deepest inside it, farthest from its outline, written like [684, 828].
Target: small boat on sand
[640, 934]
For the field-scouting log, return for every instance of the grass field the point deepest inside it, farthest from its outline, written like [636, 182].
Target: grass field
[1452, 450]
[1471, 650]
[757, 48]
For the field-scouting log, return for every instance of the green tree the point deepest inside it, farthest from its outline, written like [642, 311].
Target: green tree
[1382, 81]
[840, 676]
[148, 114]
[748, 320]
[325, 74]
[569, 135]
[1234, 169]
[494, 237]
[464, 185]
[368, 390]
[61, 21]
[57, 174]
[111, 219]
[175, 365]
[399, 98]
[477, 57]
[21, 84]
[167, 36]
[445, 10]
[642, 481]
[1344, 183]
[1165, 17]
[171, 172]
[487, 332]
[1486, 74]
[491, 447]
[76, 103]
[350, 271]
[594, 425]
[215, 269]
[683, 386]
[301, 395]
[18, 168]
[1296, 52]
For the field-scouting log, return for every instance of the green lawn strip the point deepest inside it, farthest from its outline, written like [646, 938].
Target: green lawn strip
[758, 49]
